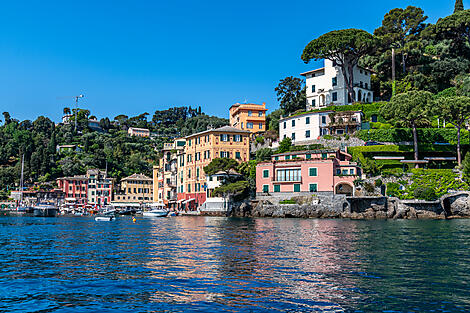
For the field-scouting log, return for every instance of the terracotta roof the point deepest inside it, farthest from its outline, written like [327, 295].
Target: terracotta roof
[223, 129]
[137, 177]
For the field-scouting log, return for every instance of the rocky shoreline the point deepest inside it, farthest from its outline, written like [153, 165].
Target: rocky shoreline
[449, 206]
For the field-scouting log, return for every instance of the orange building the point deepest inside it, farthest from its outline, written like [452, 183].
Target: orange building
[248, 116]
[199, 151]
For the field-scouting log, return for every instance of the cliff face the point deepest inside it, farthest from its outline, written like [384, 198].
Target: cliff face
[450, 206]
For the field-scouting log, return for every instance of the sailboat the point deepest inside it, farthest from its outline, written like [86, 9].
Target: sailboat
[21, 208]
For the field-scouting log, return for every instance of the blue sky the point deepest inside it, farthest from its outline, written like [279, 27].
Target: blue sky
[137, 56]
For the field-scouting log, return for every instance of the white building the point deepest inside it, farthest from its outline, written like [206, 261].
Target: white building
[326, 86]
[306, 127]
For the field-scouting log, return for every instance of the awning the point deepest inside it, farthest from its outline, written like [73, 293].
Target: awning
[189, 200]
[70, 199]
[179, 201]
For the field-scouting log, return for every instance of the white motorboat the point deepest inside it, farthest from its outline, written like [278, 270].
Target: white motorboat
[106, 218]
[156, 210]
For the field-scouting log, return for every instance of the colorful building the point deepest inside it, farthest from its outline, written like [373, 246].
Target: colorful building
[165, 175]
[199, 151]
[100, 187]
[304, 128]
[139, 132]
[326, 86]
[307, 172]
[75, 189]
[248, 116]
[134, 189]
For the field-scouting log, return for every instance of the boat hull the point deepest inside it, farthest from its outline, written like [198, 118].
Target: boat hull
[155, 214]
[45, 212]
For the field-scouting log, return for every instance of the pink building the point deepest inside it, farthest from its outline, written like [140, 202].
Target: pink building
[306, 172]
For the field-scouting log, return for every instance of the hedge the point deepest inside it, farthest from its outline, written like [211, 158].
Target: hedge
[425, 135]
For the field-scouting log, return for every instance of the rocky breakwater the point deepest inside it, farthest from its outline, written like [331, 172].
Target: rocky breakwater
[449, 206]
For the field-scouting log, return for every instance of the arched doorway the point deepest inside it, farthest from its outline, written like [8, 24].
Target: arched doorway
[322, 99]
[344, 188]
[359, 96]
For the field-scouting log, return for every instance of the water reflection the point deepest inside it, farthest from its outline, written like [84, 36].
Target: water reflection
[216, 264]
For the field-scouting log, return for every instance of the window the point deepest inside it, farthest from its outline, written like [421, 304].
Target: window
[250, 113]
[345, 172]
[197, 172]
[367, 86]
[284, 136]
[288, 175]
[294, 156]
[307, 120]
[324, 156]
[237, 155]
[260, 113]
[338, 171]
[189, 187]
[237, 138]
[249, 125]
[277, 188]
[287, 157]
[189, 173]
[265, 173]
[276, 158]
[293, 123]
[313, 88]
[308, 156]
[351, 172]
[374, 118]
[313, 171]
[361, 84]
[296, 187]
[242, 125]
[334, 96]
[313, 103]
[285, 124]
[293, 136]
[260, 125]
[265, 188]
[189, 142]
[307, 134]
[334, 81]
[223, 137]
[313, 187]
[323, 119]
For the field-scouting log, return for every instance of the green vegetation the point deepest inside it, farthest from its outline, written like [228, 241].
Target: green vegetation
[288, 201]
[425, 135]
[291, 94]
[428, 184]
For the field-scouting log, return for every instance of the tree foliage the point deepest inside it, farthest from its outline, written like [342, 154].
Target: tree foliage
[291, 94]
[345, 47]
[220, 165]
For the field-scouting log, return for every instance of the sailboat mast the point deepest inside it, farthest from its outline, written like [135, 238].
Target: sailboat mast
[21, 179]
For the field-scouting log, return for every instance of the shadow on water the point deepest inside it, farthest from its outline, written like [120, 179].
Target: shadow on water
[230, 264]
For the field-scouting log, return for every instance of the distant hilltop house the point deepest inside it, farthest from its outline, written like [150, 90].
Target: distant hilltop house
[138, 132]
[248, 116]
[308, 126]
[326, 86]
[68, 148]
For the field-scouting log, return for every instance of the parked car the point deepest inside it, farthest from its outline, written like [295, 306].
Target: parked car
[373, 143]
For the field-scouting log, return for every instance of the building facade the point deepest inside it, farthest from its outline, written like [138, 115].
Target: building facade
[304, 128]
[134, 189]
[248, 116]
[100, 187]
[307, 172]
[139, 132]
[75, 189]
[326, 86]
[165, 175]
[199, 151]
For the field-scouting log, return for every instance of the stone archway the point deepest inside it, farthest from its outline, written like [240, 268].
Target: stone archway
[322, 100]
[344, 188]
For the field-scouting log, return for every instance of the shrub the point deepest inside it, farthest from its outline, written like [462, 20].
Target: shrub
[425, 135]
[378, 183]
[393, 190]
[288, 202]
[260, 139]
[368, 187]
[425, 193]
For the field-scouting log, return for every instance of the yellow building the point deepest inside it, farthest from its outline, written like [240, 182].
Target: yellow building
[165, 174]
[136, 188]
[249, 116]
[199, 151]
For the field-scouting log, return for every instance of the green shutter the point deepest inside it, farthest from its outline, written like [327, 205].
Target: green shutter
[265, 188]
[277, 188]
[313, 172]
[265, 173]
[308, 156]
[313, 188]
[296, 187]
[287, 157]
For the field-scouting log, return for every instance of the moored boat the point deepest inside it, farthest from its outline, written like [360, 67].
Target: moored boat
[156, 210]
[104, 218]
[42, 210]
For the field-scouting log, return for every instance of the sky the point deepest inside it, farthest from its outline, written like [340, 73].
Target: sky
[131, 57]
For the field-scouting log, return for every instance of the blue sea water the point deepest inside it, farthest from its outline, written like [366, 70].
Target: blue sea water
[190, 264]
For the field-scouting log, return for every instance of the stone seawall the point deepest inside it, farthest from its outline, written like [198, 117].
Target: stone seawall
[449, 206]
